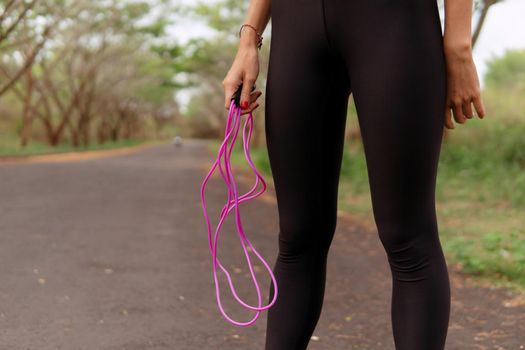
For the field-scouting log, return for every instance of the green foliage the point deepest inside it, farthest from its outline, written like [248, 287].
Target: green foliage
[487, 162]
[223, 15]
[353, 167]
[496, 254]
[505, 87]
[507, 72]
[156, 29]
[132, 10]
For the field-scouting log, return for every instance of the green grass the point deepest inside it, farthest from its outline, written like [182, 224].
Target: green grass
[480, 196]
[10, 146]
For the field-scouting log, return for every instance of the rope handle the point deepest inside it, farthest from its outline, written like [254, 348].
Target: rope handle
[236, 97]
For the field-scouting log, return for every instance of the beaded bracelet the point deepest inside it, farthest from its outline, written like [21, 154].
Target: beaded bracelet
[259, 35]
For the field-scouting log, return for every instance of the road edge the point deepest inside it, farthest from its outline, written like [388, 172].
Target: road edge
[74, 155]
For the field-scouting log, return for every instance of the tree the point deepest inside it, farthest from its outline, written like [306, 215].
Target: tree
[98, 74]
[20, 32]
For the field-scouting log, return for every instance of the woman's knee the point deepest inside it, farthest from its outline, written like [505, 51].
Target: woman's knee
[306, 236]
[410, 248]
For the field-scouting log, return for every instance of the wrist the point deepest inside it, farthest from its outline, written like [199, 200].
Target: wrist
[458, 49]
[248, 38]
[249, 35]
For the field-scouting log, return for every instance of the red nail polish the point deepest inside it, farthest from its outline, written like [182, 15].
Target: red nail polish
[244, 104]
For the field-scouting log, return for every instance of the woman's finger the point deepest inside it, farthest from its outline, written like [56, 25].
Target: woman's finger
[480, 109]
[247, 85]
[458, 113]
[255, 95]
[251, 108]
[467, 109]
[448, 118]
[229, 89]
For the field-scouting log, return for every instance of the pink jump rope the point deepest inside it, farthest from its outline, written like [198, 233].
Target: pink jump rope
[232, 128]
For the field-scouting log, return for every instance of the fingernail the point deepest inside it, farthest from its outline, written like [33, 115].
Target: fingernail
[244, 104]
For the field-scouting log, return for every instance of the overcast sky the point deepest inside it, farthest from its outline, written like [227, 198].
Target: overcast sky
[504, 29]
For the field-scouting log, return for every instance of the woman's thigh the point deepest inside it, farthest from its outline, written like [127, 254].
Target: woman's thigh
[306, 102]
[394, 55]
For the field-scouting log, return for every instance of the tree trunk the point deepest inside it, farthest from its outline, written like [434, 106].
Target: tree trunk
[26, 118]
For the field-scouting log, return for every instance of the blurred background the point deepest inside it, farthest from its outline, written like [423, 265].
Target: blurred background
[79, 75]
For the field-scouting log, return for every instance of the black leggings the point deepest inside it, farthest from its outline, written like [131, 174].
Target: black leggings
[389, 54]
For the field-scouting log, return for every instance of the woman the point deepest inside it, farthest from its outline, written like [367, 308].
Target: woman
[408, 80]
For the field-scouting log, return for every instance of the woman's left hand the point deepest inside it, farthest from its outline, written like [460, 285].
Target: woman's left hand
[463, 87]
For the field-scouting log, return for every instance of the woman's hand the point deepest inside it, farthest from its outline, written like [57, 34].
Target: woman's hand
[245, 69]
[462, 86]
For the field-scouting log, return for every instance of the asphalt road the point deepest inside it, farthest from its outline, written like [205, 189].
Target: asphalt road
[112, 253]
